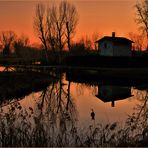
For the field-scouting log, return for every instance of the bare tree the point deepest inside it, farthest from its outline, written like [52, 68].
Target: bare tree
[20, 45]
[71, 20]
[51, 30]
[22, 41]
[142, 16]
[95, 36]
[40, 26]
[86, 40]
[65, 18]
[57, 19]
[138, 41]
[55, 26]
[7, 39]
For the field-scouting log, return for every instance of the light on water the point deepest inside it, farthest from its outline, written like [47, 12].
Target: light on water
[85, 99]
[63, 109]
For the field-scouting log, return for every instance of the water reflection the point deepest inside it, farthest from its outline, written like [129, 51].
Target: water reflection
[58, 107]
[52, 119]
[109, 90]
[112, 93]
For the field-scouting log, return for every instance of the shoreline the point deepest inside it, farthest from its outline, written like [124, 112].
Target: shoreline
[19, 84]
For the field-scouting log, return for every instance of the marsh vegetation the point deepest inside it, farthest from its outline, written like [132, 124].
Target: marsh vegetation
[53, 121]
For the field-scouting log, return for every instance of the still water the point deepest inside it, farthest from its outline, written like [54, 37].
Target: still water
[110, 102]
[60, 114]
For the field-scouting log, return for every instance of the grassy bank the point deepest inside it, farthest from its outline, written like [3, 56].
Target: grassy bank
[19, 84]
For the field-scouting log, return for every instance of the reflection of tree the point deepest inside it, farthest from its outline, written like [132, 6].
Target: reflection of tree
[54, 123]
[57, 106]
[137, 122]
[142, 108]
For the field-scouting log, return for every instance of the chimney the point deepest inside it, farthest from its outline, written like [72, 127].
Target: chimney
[113, 34]
[113, 104]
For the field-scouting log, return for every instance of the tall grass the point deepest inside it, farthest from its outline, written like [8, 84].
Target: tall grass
[20, 127]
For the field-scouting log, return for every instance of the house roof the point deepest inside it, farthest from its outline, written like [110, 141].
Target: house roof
[115, 39]
[114, 98]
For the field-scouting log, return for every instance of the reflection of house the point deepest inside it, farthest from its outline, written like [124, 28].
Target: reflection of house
[114, 46]
[109, 93]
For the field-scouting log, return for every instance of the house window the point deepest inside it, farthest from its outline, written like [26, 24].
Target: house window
[105, 45]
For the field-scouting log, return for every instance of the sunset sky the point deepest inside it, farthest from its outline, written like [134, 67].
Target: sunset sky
[95, 16]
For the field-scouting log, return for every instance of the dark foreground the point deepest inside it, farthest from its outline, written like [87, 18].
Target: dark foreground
[21, 128]
[19, 84]
[105, 61]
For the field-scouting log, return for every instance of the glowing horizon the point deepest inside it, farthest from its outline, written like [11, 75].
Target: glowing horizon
[97, 16]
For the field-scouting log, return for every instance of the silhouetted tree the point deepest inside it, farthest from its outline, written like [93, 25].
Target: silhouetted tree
[71, 19]
[20, 44]
[40, 26]
[78, 48]
[51, 31]
[95, 36]
[87, 42]
[56, 26]
[142, 16]
[7, 39]
[56, 17]
[138, 41]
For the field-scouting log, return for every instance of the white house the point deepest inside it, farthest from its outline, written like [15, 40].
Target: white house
[114, 46]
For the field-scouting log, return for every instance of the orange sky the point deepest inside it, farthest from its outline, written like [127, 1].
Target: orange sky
[103, 16]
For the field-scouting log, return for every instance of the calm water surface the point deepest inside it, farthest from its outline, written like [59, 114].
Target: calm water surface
[60, 114]
[84, 98]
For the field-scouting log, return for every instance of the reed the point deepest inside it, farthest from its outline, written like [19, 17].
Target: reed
[21, 127]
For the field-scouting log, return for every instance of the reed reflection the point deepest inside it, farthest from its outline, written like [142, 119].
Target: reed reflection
[57, 106]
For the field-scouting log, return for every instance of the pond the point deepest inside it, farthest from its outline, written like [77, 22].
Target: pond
[61, 113]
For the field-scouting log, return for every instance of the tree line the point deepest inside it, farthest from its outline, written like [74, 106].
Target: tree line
[17, 46]
[55, 26]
